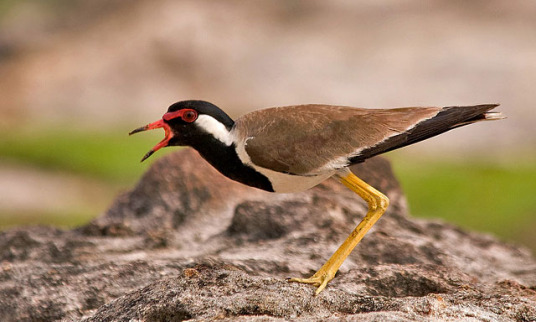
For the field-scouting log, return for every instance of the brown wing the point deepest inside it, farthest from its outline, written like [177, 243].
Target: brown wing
[310, 139]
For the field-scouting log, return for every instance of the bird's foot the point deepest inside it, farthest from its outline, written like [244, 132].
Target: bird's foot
[320, 279]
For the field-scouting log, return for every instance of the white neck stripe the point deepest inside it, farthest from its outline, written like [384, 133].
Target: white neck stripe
[216, 129]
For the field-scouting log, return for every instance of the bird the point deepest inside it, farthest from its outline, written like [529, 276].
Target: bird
[294, 148]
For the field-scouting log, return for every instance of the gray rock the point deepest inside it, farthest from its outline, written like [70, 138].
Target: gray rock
[186, 243]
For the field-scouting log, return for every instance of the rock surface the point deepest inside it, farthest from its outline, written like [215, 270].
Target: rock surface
[186, 243]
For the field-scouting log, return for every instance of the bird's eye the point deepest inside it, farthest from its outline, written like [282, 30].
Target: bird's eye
[189, 116]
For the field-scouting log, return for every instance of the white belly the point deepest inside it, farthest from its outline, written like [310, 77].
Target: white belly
[282, 182]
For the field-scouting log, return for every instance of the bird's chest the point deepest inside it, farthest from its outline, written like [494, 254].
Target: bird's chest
[283, 182]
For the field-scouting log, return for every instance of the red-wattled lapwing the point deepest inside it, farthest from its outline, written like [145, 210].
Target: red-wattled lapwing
[293, 148]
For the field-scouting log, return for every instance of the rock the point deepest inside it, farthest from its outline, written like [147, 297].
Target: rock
[187, 243]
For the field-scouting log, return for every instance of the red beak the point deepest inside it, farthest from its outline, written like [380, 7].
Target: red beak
[155, 125]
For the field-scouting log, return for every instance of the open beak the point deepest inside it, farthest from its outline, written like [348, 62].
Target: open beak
[155, 125]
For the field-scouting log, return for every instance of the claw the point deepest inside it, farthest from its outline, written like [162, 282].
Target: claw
[319, 280]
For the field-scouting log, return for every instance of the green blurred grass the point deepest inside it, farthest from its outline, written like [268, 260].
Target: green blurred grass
[111, 156]
[482, 195]
[108, 158]
[62, 218]
[496, 197]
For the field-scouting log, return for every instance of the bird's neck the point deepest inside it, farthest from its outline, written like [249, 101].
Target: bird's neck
[224, 158]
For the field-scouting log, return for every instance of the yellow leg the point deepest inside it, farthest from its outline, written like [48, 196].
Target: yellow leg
[377, 204]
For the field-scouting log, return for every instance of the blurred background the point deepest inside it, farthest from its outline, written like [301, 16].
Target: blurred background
[76, 76]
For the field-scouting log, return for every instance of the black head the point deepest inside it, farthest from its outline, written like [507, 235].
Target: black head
[188, 122]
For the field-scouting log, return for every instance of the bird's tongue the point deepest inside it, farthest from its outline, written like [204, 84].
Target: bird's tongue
[155, 125]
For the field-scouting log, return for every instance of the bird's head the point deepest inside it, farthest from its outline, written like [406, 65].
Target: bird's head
[189, 123]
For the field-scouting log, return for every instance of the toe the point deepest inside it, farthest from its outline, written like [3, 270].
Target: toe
[312, 280]
[322, 286]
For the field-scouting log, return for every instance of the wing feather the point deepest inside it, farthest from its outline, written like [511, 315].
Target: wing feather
[312, 139]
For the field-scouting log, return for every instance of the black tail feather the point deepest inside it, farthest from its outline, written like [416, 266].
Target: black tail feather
[447, 119]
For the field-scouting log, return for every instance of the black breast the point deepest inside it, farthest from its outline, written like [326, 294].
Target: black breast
[226, 161]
